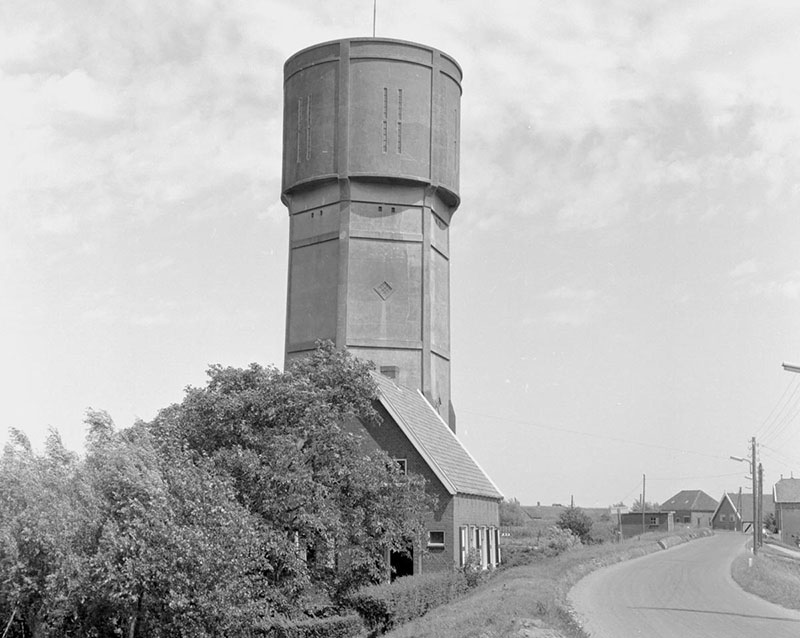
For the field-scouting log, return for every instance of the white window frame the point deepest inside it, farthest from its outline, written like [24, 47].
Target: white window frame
[463, 536]
[436, 544]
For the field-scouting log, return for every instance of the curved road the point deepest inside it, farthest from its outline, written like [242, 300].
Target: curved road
[685, 591]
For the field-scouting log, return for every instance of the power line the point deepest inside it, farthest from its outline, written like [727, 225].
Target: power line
[593, 435]
[779, 419]
[779, 456]
[693, 478]
[778, 432]
[760, 430]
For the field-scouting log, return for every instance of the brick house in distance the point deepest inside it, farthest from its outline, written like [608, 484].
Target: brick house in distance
[787, 509]
[735, 511]
[727, 516]
[692, 508]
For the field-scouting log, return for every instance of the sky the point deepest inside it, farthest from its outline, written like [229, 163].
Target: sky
[625, 278]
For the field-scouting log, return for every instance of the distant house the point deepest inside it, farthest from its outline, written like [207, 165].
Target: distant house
[693, 508]
[735, 511]
[635, 523]
[787, 509]
[727, 516]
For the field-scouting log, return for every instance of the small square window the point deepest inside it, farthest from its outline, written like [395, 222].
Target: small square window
[402, 464]
[435, 539]
[390, 371]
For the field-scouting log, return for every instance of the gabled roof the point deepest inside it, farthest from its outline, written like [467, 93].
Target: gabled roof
[731, 498]
[692, 500]
[434, 440]
[787, 491]
[745, 512]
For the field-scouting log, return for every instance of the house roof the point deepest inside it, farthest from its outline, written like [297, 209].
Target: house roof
[767, 505]
[449, 460]
[787, 491]
[745, 512]
[727, 497]
[692, 500]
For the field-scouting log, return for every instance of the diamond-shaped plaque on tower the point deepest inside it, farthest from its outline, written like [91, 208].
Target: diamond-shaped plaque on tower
[384, 290]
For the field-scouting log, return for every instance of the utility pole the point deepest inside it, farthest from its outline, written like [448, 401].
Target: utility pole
[755, 494]
[739, 509]
[643, 502]
[760, 505]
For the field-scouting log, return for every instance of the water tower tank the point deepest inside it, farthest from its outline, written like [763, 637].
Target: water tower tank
[370, 178]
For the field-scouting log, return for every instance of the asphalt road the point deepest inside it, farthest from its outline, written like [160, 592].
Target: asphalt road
[686, 591]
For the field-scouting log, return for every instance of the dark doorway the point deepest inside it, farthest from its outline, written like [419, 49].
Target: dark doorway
[402, 563]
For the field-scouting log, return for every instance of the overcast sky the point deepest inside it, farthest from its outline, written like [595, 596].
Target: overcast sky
[626, 257]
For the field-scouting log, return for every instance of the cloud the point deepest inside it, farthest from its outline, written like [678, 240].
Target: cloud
[571, 294]
[786, 288]
[637, 109]
[745, 269]
[569, 306]
[151, 320]
[152, 266]
[80, 94]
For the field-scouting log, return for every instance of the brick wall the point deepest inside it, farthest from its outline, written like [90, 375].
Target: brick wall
[450, 513]
[788, 515]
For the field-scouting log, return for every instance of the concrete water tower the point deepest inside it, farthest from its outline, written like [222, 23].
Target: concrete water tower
[370, 178]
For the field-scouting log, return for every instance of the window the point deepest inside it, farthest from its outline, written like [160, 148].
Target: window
[403, 465]
[463, 538]
[389, 371]
[436, 539]
[687, 519]
[654, 521]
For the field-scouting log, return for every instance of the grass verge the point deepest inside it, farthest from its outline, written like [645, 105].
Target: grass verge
[773, 576]
[528, 600]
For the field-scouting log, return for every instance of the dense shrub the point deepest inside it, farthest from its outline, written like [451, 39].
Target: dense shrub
[559, 540]
[385, 606]
[473, 568]
[576, 521]
[331, 627]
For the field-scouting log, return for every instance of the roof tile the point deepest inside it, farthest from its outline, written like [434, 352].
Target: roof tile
[692, 500]
[436, 442]
[787, 490]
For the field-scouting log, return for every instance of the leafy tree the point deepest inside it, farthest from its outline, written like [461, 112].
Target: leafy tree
[126, 540]
[290, 443]
[576, 521]
[224, 512]
[46, 517]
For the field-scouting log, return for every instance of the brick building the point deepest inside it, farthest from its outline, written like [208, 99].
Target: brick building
[692, 508]
[787, 509]
[735, 511]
